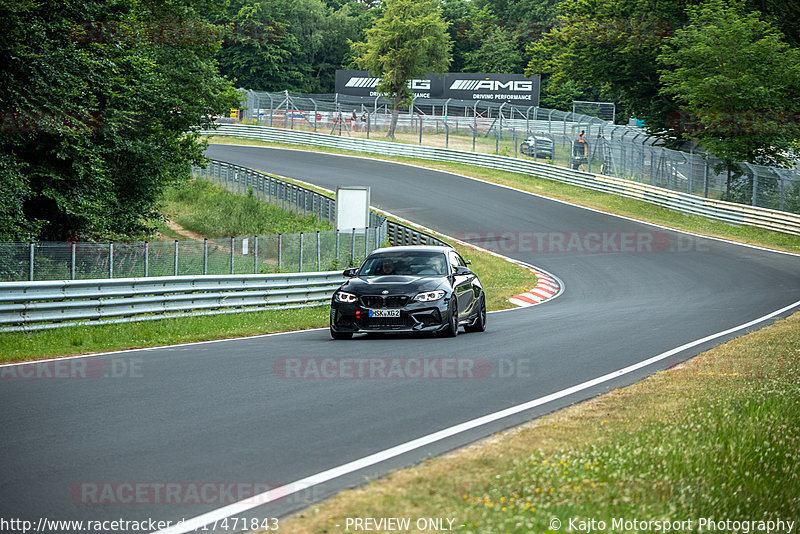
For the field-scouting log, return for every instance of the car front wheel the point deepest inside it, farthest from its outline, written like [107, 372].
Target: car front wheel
[452, 320]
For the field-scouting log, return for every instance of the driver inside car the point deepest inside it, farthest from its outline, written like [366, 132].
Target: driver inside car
[387, 267]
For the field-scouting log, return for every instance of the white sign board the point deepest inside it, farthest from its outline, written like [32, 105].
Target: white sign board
[352, 207]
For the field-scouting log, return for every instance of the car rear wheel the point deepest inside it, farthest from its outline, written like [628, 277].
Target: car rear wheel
[479, 324]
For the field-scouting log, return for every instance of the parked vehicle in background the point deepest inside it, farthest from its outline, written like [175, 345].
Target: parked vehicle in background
[538, 146]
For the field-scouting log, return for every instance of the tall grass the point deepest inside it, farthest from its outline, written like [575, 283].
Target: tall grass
[211, 211]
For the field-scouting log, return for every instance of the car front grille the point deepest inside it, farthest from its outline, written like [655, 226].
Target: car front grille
[379, 301]
[404, 321]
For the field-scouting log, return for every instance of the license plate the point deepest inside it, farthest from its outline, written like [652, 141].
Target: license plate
[384, 313]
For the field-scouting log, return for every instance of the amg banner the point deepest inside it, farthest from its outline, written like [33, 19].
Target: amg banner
[512, 88]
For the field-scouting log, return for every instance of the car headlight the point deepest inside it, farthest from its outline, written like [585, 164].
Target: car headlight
[343, 296]
[429, 296]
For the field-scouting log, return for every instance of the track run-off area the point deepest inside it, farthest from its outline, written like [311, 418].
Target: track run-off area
[178, 432]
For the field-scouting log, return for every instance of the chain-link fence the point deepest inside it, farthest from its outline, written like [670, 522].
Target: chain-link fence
[264, 254]
[532, 132]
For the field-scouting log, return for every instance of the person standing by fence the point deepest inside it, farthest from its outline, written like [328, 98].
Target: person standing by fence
[580, 152]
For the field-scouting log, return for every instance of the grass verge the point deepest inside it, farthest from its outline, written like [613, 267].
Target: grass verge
[74, 340]
[211, 211]
[717, 437]
[583, 197]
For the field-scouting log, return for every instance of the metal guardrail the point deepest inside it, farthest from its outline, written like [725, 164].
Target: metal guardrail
[28, 306]
[682, 202]
[399, 234]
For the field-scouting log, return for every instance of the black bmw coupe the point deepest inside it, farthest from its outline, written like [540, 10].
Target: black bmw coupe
[409, 289]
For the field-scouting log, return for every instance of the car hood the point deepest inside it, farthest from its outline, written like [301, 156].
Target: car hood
[395, 285]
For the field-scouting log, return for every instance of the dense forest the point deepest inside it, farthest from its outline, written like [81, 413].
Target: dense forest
[103, 99]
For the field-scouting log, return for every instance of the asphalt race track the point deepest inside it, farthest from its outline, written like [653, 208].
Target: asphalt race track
[147, 429]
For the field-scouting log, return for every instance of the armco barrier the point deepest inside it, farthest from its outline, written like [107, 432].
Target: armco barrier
[51, 304]
[713, 209]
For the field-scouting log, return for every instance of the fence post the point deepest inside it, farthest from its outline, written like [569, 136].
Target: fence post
[176, 258]
[205, 256]
[319, 254]
[72, 262]
[337, 246]
[280, 250]
[233, 246]
[111, 260]
[301, 252]
[255, 254]
[146, 259]
[474, 131]
[30, 259]
[352, 247]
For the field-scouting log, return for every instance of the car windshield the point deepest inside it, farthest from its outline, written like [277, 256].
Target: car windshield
[405, 264]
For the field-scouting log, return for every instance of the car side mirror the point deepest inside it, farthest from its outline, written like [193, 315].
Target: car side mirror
[351, 272]
[461, 271]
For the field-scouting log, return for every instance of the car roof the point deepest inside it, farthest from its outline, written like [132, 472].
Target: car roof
[413, 248]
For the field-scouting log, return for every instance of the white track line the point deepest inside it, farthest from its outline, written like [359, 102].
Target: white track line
[219, 514]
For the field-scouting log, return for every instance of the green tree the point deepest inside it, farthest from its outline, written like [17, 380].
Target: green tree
[102, 102]
[737, 84]
[458, 14]
[497, 49]
[612, 46]
[260, 52]
[408, 41]
[295, 45]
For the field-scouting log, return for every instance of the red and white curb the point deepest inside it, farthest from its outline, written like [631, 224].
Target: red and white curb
[547, 287]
